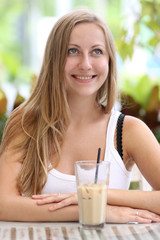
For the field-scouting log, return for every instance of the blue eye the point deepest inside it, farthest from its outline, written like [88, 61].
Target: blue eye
[97, 51]
[72, 51]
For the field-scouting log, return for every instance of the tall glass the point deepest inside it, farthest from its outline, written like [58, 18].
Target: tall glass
[92, 182]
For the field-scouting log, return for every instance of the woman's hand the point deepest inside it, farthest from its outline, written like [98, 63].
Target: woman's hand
[59, 200]
[118, 214]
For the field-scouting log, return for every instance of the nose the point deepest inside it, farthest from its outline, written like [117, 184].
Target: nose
[85, 62]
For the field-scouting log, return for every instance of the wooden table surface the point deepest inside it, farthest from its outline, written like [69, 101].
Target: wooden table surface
[72, 231]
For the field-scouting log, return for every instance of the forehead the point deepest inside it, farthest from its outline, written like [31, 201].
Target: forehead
[87, 32]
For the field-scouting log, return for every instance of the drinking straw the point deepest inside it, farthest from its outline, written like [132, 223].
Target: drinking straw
[98, 160]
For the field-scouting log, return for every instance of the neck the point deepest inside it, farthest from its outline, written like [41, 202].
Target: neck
[83, 110]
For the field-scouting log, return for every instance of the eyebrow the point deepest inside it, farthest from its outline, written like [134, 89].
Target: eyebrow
[94, 46]
[98, 45]
[72, 44]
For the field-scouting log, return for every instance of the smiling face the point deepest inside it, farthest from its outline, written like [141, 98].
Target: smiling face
[86, 67]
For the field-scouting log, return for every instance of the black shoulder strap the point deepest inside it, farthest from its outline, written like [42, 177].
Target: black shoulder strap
[119, 134]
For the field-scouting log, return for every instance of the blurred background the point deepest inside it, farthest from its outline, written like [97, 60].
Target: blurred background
[135, 25]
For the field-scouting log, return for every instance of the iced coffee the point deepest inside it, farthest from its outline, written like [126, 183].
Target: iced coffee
[92, 200]
[92, 181]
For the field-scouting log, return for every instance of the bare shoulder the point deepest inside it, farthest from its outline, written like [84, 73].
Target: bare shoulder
[12, 146]
[10, 166]
[133, 121]
[138, 137]
[11, 155]
[134, 126]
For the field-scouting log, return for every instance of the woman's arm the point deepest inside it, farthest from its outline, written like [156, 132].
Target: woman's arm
[149, 200]
[18, 208]
[114, 214]
[140, 144]
[14, 207]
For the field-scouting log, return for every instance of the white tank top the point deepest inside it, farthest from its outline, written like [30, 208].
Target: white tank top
[58, 182]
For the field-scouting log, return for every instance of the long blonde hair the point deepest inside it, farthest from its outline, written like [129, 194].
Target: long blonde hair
[44, 117]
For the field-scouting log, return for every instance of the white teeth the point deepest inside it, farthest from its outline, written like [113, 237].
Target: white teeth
[84, 78]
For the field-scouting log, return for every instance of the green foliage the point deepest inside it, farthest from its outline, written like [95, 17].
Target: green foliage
[47, 7]
[3, 120]
[112, 10]
[135, 185]
[146, 31]
[10, 41]
[88, 3]
[138, 88]
[157, 133]
[142, 93]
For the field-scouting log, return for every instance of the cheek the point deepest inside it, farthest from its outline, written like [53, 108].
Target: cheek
[67, 72]
[103, 68]
[68, 66]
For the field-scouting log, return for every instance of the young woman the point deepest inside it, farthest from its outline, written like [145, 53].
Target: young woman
[67, 117]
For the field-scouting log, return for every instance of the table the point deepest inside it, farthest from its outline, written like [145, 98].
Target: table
[72, 231]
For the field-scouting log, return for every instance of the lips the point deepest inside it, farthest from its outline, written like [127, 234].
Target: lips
[84, 78]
